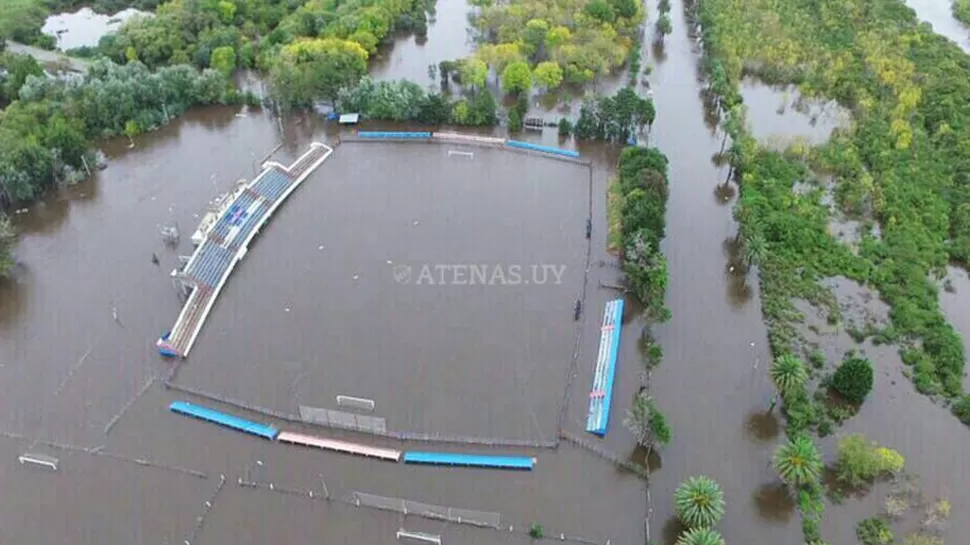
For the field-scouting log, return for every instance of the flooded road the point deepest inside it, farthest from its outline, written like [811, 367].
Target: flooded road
[69, 367]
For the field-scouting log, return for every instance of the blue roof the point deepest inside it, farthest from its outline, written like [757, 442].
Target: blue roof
[469, 460]
[216, 417]
[598, 418]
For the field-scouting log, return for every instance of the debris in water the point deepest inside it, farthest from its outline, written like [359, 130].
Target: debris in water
[415, 222]
[389, 262]
[287, 309]
[356, 276]
[320, 247]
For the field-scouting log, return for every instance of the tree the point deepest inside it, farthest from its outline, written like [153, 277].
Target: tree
[548, 74]
[798, 462]
[223, 59]
[131, 129]
[310, 70]
[700, 536]
[788, 373]
[647, 424]
[699, 502]
[517, 78]
[8, 239]
[664, 27]
[962, 409]
[853, 379]
[473, 73]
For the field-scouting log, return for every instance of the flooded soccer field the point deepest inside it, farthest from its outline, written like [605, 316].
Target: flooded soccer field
[441, 286]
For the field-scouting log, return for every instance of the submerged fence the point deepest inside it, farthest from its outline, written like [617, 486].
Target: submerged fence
[470, 139]
[484, 519]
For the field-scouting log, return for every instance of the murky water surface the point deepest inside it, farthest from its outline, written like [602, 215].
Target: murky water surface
[315, 311]
[84, 27]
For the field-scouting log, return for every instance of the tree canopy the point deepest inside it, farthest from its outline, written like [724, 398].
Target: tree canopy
[585, 38]
[313, 69]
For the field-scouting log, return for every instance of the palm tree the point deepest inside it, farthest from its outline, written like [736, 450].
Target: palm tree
[700, 536]
[753, 250]
[788, 373]
[699, 502]
[798, 462]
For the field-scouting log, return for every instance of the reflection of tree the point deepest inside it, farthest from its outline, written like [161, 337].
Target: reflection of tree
[774, 502]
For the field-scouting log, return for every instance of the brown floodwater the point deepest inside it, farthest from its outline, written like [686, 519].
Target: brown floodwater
[69, 367]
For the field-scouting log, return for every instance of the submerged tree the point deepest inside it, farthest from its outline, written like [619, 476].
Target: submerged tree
[699, 502]
[700, 536]
[788, 373]
[647, 424]
[798, 462]
[7, 240]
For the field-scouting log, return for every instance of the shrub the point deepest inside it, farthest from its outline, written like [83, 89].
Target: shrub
[699, 502]
[536, 531]
[874, 531]
[860, 460]
[962, 409]
[565, 127]
[788, 373]
[853, 379]
[798, 462]
[700, 536]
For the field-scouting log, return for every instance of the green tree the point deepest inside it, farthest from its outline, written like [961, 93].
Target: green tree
[647, 424]
[8, 239]
[699, 502]
[548, 74]
[853, 379]
[664, 27]
[788, 373]
[517, 78]
[700, 536]
[962, 409]
[473, 73]
[798, 462]
[223, 59]
[19, 68]
[310, 70]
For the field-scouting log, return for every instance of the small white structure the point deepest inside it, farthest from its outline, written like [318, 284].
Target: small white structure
[349, 119]
[419, 536]
[360, 403]
[39, 460]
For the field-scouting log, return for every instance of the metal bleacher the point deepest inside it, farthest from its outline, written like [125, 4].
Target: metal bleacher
[272, 184]
[223, 245]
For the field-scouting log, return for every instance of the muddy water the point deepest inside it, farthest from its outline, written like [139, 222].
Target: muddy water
[450, 284]
[410, 56]
[84, 27]
[711, 384]
[69, 367]
[778, 116]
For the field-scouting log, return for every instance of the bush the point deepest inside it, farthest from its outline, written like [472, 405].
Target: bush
[860, 460]
[853, 379]
[788, 373]
[874, 531]
[536, 531]
[565, 127]
[699, 502]
[962, 409]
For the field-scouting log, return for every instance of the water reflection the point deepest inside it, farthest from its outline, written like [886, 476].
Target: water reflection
[13, 297]
[724, 193]
[763, 425]
[84, 27]
[775, 502]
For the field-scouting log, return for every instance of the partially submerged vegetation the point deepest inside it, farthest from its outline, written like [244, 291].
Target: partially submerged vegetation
[580, 39]
[47, 131]
[961, 11]
[903, 165]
